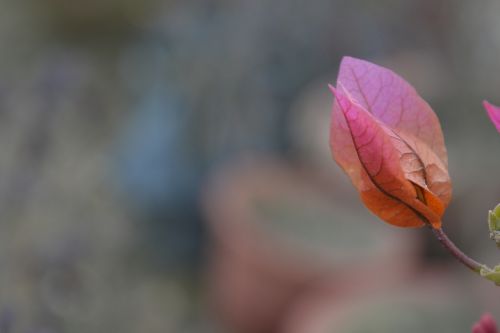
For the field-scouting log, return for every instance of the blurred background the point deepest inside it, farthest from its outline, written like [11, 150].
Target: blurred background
[164, 167]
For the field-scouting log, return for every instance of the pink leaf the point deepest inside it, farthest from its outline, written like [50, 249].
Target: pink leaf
[494, 113]
[389, 141]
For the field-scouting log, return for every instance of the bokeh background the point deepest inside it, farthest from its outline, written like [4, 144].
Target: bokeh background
[164, 167]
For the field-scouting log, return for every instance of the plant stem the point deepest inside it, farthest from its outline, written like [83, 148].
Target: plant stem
[455, 251]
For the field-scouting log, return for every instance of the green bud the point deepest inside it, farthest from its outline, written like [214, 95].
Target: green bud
[491, 274]
[494, 224]
[496, 211]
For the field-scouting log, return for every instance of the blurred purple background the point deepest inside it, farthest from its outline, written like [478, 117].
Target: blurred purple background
[164, 167]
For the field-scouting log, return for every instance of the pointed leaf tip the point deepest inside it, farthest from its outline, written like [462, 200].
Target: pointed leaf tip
[494, 114]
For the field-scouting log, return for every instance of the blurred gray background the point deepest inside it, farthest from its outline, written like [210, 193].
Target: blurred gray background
[164, 167]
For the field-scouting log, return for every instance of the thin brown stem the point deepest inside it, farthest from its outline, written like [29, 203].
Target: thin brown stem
[455, 251]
